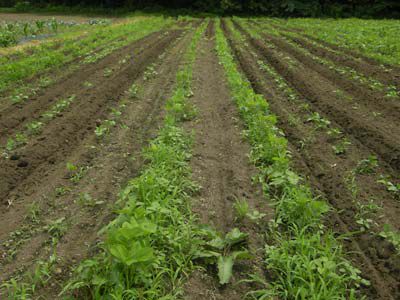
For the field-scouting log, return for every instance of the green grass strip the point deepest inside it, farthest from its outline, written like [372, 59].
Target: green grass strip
[304, 258]
[149, 247]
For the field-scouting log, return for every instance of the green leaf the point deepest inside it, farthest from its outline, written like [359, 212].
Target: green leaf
[234, 237]
[225, 265]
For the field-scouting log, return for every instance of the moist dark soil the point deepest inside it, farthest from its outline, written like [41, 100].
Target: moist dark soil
[15, 117]
[221, 166]
[112, 161]
[353, 53]
[64, 134]
[326, 171]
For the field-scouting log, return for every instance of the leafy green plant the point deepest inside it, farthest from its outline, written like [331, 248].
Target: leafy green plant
[318, 120]
[390, 186]
[392, 236]
[341, 147]
[241, 208]
[133, 91]
[367, 166]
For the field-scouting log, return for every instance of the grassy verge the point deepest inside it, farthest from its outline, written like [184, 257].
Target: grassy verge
[304, 259]
[150, 245]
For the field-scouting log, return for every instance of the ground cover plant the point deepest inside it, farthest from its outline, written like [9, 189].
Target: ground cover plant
[156, 156]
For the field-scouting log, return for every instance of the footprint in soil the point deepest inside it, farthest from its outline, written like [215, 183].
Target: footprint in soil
[22, 164]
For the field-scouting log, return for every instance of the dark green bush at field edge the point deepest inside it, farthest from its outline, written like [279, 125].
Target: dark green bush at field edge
[282, 8]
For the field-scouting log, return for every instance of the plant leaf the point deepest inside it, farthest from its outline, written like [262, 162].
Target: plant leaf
[225, 265]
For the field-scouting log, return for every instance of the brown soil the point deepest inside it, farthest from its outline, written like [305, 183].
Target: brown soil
[220, 165]
[326, 171]
[353, 53]
[356, 118]
[111, 162]
[62, 135]
[13, 118]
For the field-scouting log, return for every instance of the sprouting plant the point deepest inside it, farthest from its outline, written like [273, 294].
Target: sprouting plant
[85, 199]
[19, 140]
[223, 251]
[316, 118]
[54, 25]
[365, 214]
[390, 186]
[241, 208]
[243, 211]
[367, 166]
[392, 236]
[33, 212]
[150, 72]
[76, 173]
[107, 72]
[104, 128]
[87, 84]
[61, 191]
[57, 228]
[341, 147]
[34, 127]
[350, 181]
[133, 91]
[17, 98]
[334, 132]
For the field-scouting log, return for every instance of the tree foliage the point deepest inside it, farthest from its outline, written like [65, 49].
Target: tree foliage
[299, 8]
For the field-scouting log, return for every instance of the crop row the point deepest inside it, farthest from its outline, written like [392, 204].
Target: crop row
[304, 257]
[377, 39]
[45, 57]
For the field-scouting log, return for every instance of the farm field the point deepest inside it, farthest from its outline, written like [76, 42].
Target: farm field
[157, 157]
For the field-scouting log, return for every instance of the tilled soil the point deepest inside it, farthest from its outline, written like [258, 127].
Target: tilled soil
[221, 166]
[316, 160]
[13, 118]
[109, 162]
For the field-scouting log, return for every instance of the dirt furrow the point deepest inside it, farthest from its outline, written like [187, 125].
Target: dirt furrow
[58, 139]
[344, 60]
[377, 134]
[349, 52]
[220, 165]
[374, 101]
[111, 165]
[326, 172]
[15, 117]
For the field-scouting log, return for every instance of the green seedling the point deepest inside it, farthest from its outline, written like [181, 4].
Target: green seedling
[392, 236]
[241, 208]
[107, 72]
[85, 199]
[390, 186]
[341, 147]
[318, 120]
[34, 127]
[34, 212]
[366, 214]
[367, 166]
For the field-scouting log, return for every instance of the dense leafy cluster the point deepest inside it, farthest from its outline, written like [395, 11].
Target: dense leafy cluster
[314, 8]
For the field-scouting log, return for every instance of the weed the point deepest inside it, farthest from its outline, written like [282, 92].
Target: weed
[341, 147]
[318, 120]
[107, 72]
[392, 236]
[367, 166]
[133, 91]
[390, 186]
[241, 208]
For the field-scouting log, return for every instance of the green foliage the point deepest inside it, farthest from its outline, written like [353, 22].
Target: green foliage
[154, 239]
[306, 262]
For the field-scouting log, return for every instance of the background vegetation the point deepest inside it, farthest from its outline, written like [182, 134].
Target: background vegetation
[298, 8]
